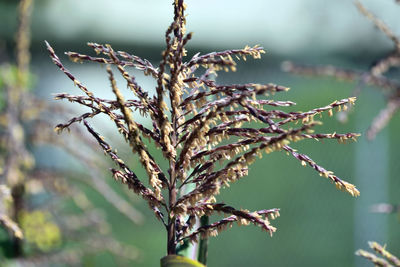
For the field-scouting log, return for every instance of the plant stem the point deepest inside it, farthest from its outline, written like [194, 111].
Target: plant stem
[171, 245]
[203, 243]
[188, 249]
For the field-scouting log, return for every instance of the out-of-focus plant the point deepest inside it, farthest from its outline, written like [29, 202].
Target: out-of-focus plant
[37, 229]
[208, 133]
[17, 159]
[40, 230]
[385, 258]
[375, 75]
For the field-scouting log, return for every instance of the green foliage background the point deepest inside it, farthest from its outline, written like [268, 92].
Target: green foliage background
[318, 224]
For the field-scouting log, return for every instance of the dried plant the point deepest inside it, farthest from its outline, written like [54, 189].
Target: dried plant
[25, 121]
[375, 75]
[205, 130]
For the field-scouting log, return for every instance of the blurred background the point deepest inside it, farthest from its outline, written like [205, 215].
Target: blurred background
[319, 225]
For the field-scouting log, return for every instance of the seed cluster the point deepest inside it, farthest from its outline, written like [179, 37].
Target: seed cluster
[209, 133]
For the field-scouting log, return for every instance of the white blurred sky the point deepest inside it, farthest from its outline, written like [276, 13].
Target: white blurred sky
[286, 26]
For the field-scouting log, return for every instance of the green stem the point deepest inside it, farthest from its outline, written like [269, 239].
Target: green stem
[187, 249]
[203, 245]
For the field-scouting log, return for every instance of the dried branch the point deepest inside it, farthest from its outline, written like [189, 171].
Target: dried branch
[341, 74]
[372, 258]
[130, 178]
[383, 118]
[378, 23]
[387, 260]
[323, 172]
[10, 225]
[242, 217]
